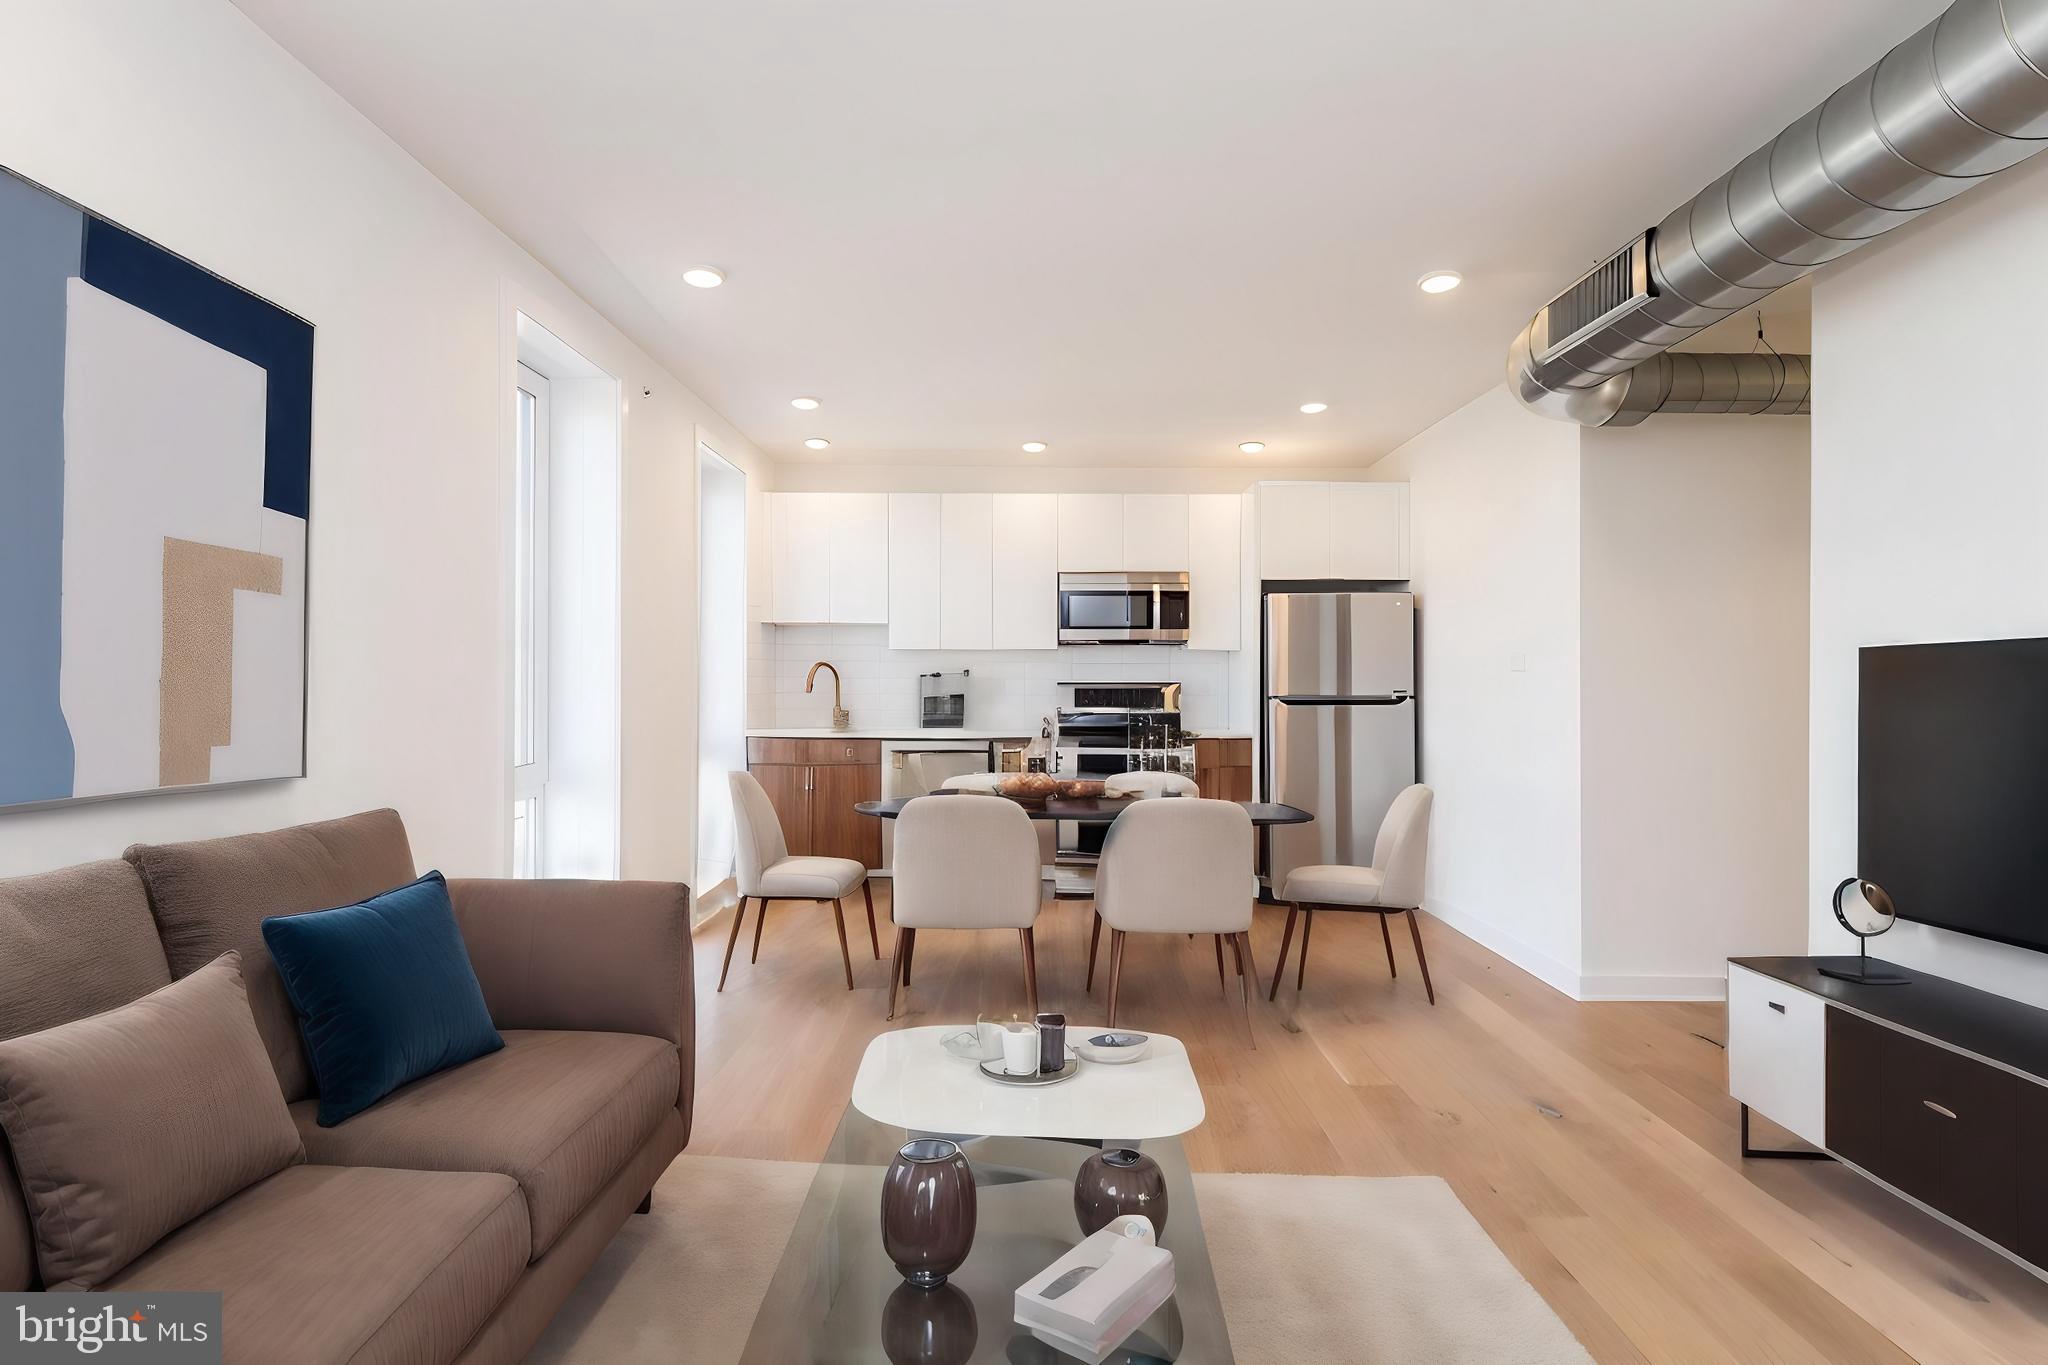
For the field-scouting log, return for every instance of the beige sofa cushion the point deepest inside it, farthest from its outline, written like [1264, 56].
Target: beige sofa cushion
[72, 943]
[213, 895]
[131, 1122]
[326, 1264]
[558, 1112]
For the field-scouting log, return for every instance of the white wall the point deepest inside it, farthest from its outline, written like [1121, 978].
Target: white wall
[1494, 522]
[1930, 497]
[1693, 700]
[722, 674]
[180, 120]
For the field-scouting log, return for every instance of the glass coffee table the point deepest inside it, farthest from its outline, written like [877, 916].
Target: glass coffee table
[836, 1299]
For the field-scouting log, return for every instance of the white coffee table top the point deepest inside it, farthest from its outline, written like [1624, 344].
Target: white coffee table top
[908, 1080]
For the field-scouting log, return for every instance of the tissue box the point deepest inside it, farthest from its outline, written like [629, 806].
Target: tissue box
[1090, 1299]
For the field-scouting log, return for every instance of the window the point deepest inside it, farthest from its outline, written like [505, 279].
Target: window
[529, 739]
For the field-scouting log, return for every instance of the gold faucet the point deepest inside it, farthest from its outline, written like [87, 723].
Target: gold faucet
[841, 720]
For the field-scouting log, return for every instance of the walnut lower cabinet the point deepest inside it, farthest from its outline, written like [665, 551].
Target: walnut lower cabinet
[1223, 768]
[1935, 1089]
[813, 784]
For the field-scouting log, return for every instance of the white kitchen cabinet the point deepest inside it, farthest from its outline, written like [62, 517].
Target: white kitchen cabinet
[1091, 533]
[860, 558]
[966, 570]
[1156, 532]
[1214, 570]
[1333, 530]
[914, 570]
[1294, 530]
[1024, 599]
[1369, 530]
[800, 556]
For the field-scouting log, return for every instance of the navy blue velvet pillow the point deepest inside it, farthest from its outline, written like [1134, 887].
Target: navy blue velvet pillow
[384, 993]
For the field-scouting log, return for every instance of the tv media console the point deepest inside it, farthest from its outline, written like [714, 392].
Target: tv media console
[1933, 1089]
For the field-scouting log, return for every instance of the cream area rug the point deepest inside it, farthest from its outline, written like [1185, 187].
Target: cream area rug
[1310, 1268]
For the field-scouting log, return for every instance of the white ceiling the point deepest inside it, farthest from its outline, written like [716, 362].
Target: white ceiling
[1141, 230]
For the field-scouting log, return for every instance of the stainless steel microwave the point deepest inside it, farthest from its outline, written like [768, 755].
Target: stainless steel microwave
[1123, 608]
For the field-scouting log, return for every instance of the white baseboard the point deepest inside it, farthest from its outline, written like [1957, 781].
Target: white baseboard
[1653, 987]
[1577, 985]
[1540, 965]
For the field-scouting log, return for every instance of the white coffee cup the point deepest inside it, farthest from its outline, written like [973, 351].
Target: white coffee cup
[1020, 1049]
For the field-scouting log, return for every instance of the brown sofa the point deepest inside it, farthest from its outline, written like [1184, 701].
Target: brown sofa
[449, 1221]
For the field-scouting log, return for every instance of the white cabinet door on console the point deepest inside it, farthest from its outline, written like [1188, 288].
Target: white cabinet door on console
[914, 570]
[800, 556]
[1214, 570]
[860, 558]
[1777, 1052]
[1156, 532]
[966, 569]
[1025, 596]
[1091, 532]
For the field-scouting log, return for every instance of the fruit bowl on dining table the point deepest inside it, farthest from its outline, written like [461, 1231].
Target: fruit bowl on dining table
[1029, 789]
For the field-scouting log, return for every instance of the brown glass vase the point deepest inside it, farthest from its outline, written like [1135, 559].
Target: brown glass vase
[1116, 1182]
[928, 1211]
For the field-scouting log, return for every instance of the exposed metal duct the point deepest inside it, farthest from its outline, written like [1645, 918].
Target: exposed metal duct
[1959, 101]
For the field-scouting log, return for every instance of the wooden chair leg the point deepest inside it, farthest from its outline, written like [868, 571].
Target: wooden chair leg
[1286, 938]
[760, 918]
[1221, 984]
[1030, 970]
[1116, 970]
[1308, 924]
[899, 966]
[1094, 937]
[1422, 961]
[909, 950]
[739, 913]
[1388, 939]
[1243, 944]
[867, 893]
[839, 923]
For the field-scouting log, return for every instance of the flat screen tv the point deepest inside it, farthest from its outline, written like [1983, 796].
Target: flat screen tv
[1952, 785]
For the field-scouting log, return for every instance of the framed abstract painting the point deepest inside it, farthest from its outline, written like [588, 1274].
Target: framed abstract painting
[156, 440]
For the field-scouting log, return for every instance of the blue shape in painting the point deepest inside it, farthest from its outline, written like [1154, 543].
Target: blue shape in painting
[238, 322]
[40, 242]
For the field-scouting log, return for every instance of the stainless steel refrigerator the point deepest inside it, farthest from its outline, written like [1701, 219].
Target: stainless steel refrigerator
[1338, 722]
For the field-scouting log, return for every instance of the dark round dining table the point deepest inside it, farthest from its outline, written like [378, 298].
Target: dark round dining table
[1095, 810]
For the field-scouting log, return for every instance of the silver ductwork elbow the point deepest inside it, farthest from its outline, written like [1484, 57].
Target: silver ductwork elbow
[1961, 100]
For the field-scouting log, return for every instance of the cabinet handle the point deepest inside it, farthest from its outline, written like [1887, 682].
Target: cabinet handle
[1776, 1006]
[1940, 1109]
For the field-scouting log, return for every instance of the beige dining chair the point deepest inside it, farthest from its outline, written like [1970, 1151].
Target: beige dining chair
[1173, 867]
[1391, 886]
[1150, 784]
[971, 782]
[964, 864]
[763, 870]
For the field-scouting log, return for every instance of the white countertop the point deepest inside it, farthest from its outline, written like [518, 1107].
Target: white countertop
[908, 1080]
[899, 732]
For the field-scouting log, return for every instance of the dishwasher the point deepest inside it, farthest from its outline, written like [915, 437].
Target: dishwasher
[939, 759]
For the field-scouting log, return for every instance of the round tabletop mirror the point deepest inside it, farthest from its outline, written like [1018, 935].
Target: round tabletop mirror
[1864, 908]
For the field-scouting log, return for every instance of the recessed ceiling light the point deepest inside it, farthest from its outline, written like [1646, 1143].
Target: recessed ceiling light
[1314, 408]
[1439, 281]
[817, 443]
[1034, 447]
[1251, 447]
[704, 276]
[806, 404]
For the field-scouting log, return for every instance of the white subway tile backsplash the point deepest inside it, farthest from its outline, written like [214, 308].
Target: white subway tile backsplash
[1007, 689]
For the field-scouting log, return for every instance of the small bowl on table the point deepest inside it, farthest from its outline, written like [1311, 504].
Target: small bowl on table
[1113, 1047]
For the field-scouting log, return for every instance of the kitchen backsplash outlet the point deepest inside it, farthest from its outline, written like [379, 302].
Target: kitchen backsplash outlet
[1006, 689]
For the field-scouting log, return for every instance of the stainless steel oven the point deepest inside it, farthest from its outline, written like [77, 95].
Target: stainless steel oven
[1109, 728]
[1123, 608]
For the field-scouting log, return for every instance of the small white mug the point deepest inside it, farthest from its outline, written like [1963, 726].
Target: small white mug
[1020, 1049]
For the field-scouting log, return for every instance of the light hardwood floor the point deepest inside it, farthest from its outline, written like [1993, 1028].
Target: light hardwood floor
[1595, 1142]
